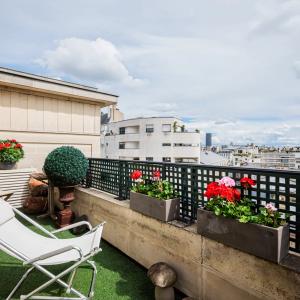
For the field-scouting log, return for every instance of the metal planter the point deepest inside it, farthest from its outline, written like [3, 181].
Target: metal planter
[163, 210]
[266, 242]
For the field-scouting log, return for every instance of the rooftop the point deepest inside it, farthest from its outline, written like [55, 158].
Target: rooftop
[52, 86]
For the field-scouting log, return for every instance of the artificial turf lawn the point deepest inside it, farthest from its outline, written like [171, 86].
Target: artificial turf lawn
[118, 276]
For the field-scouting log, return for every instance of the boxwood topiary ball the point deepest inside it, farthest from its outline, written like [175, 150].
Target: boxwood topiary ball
[66, 166]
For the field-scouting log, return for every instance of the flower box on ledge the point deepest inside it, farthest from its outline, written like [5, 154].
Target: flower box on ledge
[266, 242]
[163, 210]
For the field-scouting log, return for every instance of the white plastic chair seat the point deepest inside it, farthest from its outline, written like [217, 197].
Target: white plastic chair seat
[38, 251]
[32, 244]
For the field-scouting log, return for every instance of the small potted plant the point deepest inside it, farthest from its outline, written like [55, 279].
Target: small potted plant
[237, 222]
[154, 197]
[66, 167]
[10, 153]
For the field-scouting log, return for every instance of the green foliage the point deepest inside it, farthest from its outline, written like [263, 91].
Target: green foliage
[66, 166]
[161, 189]
[265, 218]
[245, 211]
[10, 151]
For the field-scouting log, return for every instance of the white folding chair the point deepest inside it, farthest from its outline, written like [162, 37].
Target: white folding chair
[38, 251]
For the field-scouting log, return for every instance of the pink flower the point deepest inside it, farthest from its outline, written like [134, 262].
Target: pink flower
[227, 181]
[270, 207]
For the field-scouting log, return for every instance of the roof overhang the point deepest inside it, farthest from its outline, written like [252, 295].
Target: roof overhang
[31, 83]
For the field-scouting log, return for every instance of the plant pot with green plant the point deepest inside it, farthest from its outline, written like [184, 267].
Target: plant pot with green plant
[237, 221]
[66, 167]
[10, 153]
[154, 197]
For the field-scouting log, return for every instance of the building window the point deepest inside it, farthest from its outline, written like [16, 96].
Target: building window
[121, 145]
[122, 130]
[149, 158]
[166, 144]
[185, 145]
[149, 128]
[166, 159]
[136, 158]
[166, 127]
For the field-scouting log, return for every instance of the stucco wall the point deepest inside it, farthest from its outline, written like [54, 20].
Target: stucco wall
[43, 123]
[206, 269]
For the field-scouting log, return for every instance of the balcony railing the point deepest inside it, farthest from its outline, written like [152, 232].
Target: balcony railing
[280, 187]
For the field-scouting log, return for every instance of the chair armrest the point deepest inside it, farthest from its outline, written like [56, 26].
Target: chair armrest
[73, 226]
[53, 253]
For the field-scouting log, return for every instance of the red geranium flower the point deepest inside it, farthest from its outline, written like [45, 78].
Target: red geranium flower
[215, 189]
[13, 141]
[7, 145]
[18, 146]
[156, 174]
[1, 146]
[247, 182]
[137, 174]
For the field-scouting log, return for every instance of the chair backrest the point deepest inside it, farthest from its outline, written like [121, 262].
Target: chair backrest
[6, 212]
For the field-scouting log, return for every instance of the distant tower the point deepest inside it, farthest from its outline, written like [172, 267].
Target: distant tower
[208, 140]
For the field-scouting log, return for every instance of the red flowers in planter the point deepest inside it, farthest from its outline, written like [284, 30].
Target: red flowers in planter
[225, 189]
[136, 174]
[156, 175]
[10, 151]
[247, 182]
[215, 189]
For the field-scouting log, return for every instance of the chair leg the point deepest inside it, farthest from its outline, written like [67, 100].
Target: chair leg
[19, 283]
[92, 286]
[48, 283]
[71, 281]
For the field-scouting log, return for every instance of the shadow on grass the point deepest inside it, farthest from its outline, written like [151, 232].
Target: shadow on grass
[11, 273]
[133, 282]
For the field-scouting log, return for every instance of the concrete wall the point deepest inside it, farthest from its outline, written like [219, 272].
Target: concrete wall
[43, 123]
[206, 269]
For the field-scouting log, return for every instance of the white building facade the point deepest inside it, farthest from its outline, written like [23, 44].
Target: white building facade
[160, 139]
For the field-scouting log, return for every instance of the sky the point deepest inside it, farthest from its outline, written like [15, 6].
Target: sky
[230, 67]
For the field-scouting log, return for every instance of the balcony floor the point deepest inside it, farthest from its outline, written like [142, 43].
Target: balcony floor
[118, 276]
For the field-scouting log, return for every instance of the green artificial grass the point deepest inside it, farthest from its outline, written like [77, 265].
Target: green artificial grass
[118, 276]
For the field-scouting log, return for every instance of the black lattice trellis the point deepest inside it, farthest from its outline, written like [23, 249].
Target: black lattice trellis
[280, 187]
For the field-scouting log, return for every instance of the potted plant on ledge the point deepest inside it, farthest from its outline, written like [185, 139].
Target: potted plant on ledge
[154, 197]
[10, 153]
[237, 222]
[66, 167]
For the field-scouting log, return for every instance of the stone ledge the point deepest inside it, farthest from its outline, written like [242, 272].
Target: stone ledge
[195, 258]
[292, 261]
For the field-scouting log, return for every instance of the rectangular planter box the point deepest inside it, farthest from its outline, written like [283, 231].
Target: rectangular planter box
[163, 210]
[266, 242]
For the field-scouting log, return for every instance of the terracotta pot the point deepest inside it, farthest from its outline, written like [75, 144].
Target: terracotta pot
[65, 216]
[66, 194]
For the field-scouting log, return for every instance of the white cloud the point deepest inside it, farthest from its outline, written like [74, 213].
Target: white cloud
[97, 61]
[232, 66]
[297, 67]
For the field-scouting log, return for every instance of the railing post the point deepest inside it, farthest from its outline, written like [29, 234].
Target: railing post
[297, 217]
[194, 193]
[88, 182]
[123, 180]
[184, 193]
[163, 171]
